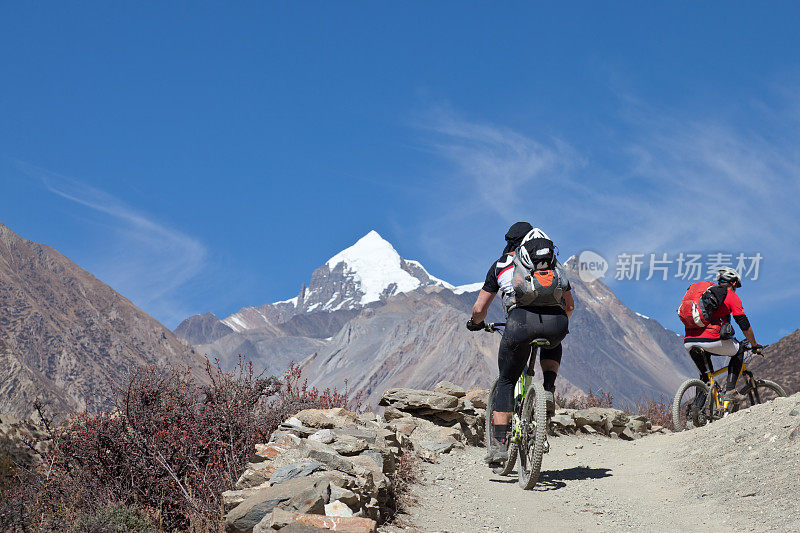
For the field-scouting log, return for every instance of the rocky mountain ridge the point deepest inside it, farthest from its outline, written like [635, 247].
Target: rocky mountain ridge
[376, 320]
[65, 335]
[781, 363]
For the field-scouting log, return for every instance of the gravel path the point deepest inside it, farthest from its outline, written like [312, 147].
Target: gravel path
[679, 482]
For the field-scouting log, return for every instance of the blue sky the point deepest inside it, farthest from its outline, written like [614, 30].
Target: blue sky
[202, 156]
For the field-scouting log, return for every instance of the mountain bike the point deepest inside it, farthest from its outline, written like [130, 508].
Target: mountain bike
[527, 440]
[697, 403]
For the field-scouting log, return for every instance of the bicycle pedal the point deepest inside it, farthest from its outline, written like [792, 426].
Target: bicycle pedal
[546, 447]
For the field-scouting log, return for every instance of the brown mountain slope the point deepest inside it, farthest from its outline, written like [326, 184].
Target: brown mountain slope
[781, 363]
[64, 334]
[418, 338]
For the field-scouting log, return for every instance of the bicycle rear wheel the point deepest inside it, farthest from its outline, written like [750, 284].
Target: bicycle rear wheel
[765, 391]
[511, 446]
[533, 436]
[691, 405]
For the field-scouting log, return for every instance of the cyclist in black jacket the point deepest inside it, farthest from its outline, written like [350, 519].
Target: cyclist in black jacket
[523, 325]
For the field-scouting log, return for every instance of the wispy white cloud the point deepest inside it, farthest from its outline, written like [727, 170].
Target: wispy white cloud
[710, 186]
[666, 184]
[499, 176]
[145, 260]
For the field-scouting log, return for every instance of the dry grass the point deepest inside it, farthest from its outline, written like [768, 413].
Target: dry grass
[407, 474]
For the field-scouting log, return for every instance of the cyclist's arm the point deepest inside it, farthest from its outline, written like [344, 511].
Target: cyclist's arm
[747, 330]
[569, 303]
[481, 306]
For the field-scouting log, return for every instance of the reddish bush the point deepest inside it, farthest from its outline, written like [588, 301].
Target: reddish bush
[168, 449]
[658, 411]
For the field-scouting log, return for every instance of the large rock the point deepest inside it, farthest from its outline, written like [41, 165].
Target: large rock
[420, 400]
[349, 445]
[478, 397]
[564, 421]
[294, 470]
[346, 496]
[337, 508]
[330, 458]
[451, 389]
[604, 418]
[283, 520]
[588, 417]
[284, 451]
[303, 495]
[232, 498]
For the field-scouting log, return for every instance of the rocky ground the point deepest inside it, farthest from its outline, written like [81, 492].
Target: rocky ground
[606, 471]
[740, 473]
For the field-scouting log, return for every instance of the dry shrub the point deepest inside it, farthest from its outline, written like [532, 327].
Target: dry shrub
[658, 411]
[163, 456]
[407, 473]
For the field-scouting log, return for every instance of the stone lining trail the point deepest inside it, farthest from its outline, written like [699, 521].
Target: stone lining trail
[607, 471]
[749, 461]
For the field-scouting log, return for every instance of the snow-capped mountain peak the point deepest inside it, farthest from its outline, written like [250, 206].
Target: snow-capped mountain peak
[374, 265]
[364, 273]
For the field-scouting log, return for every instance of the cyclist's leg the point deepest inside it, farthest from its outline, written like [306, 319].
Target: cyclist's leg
[550, 361]
[735, 365]
[728, 348]
[513, 354]
[701, 359]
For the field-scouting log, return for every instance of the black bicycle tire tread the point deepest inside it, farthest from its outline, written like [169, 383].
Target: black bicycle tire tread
[770, 385]
[528, 480]
[676, 401]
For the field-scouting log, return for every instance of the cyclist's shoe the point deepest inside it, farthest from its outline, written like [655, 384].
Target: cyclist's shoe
[498, 453]
[497, 457]
[549, 403]
[700, 400]
[734, 396]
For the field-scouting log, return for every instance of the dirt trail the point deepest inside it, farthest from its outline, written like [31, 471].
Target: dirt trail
[659, 483]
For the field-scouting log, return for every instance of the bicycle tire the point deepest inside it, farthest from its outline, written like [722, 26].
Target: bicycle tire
[766, 385]
[531, 450]
[678, 405]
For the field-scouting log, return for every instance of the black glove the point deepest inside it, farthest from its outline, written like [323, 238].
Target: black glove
[756, 348]
[472, 326]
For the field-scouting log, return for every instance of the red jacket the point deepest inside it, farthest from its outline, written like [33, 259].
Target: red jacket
[732, 305]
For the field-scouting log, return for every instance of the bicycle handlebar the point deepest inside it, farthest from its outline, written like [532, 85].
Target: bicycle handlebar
[491, 327]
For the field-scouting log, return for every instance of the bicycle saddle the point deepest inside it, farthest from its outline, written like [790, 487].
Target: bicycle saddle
[540, 342]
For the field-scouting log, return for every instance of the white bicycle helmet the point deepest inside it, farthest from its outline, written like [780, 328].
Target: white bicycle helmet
[730, 276]
[536, 257]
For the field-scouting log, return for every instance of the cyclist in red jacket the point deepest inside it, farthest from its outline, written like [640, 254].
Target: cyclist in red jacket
[713, 340]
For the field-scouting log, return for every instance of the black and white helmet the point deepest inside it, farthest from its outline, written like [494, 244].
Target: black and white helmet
[537, 251]
[730, 276]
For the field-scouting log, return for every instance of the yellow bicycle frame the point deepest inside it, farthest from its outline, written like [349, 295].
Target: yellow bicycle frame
[715, 391]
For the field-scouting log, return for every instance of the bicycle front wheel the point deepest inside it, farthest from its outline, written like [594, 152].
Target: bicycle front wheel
[512, 447]
[764, 391]
[691, 405]
[533, 436]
